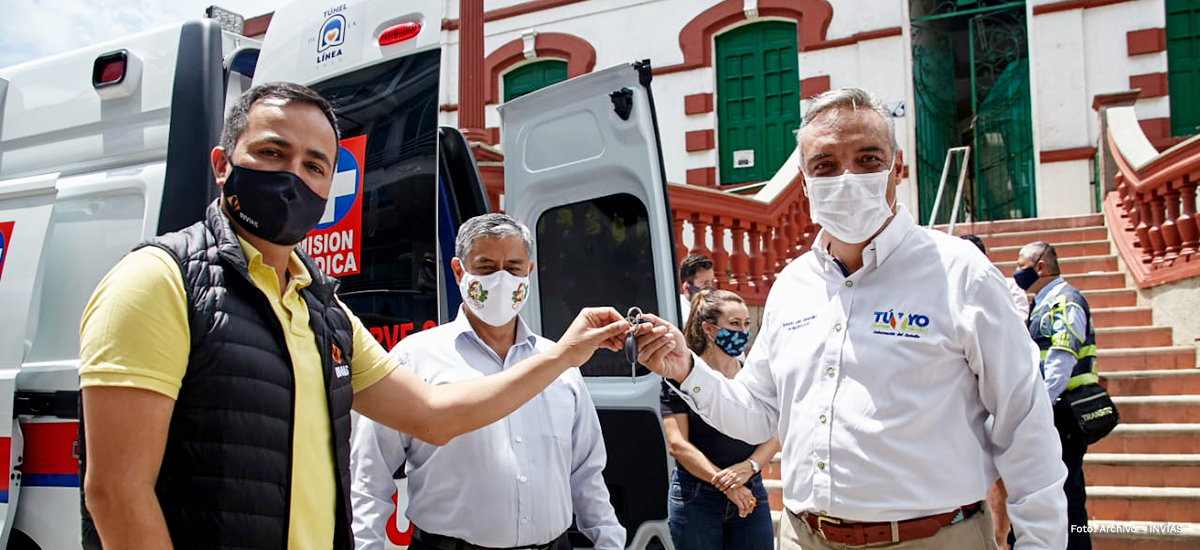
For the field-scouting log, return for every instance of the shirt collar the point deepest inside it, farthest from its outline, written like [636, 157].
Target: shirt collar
[1041, 295]
[462, 326]
[880, 248]
[297, 274]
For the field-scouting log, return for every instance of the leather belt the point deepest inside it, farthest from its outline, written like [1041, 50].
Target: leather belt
[442, 542]
[858, 534]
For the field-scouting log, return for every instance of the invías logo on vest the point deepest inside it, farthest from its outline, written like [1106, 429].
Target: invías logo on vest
[340, 369]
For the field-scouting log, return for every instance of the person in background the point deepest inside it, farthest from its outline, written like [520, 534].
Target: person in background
[717, 496]
[1020, 298]
[1061, 326]
[532, 468]
[695, 274]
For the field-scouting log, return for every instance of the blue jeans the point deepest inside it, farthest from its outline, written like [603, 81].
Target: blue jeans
[703, 518]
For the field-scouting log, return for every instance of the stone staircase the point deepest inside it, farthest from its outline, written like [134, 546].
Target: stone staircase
[1144, 478]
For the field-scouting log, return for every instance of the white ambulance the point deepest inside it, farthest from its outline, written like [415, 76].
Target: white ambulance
[106, 146]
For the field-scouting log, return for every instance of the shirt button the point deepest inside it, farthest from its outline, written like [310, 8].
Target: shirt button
[837, 327]
[821, 465]
[524, 521]
[523, 479]
[849, 283]
[822, 419]
[830, 371]
[696, 389]
[518, 438]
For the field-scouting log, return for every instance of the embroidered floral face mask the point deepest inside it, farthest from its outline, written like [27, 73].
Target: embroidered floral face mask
[496, 297]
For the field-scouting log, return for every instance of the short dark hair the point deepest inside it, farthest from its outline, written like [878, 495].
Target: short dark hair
[692, 265]
[235, 121]
[975, 241]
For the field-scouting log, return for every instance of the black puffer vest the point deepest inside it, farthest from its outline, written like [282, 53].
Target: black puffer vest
[226, 474]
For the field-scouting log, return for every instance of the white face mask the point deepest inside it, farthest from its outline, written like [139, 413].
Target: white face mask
[496, 297]
[851, 207]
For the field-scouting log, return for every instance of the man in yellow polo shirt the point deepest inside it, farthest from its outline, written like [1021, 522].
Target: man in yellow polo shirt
[218, 368]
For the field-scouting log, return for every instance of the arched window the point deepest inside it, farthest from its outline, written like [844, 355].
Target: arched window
[758, 99]
[533, 76]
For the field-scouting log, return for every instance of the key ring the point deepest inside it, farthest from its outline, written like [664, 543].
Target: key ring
[634, 316]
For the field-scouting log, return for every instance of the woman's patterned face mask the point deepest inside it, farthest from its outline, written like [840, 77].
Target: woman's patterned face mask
[733, 342]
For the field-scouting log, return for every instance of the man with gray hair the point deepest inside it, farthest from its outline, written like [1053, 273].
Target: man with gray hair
[892, 364]
[511, 484]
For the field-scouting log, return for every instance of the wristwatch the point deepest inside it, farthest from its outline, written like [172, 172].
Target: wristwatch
[753, 465]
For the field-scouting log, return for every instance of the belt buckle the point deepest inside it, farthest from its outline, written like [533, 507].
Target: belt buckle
[822, 520]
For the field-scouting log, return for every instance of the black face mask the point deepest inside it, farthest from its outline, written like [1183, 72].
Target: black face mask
[275, 206]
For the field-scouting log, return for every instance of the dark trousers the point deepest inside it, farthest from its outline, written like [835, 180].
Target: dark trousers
[1075, 487]
[702, 518]
[1073, 449]
[561, 543]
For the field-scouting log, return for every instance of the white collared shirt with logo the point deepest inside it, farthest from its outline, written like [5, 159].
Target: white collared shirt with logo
[899, 391]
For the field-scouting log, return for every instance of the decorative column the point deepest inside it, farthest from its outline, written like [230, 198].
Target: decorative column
[1188, 230]
[738, 258]
[1158, 244]
[1170, 232]
[700, 234]
[677, 218]
[719, 256]
[470, 71]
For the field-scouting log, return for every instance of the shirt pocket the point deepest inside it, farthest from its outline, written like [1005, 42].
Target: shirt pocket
[558, 413]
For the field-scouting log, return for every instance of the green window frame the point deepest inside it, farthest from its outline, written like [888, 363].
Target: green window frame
[533, 76]
[758, 100]
[1183, 65]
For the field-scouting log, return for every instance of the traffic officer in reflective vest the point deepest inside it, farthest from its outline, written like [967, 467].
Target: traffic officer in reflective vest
[1061, 325]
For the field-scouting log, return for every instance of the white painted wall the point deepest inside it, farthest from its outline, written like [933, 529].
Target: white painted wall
[1074, 55]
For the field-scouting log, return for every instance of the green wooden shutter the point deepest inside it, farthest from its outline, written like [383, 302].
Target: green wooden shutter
[1183, 65]
[758, 99]
[534, 76]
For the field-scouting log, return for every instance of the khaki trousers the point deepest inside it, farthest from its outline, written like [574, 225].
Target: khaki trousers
[974, 533]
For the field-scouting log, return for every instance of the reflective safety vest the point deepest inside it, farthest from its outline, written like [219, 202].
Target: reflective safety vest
[1051, 328]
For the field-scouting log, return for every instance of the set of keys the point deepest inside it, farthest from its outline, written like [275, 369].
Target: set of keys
[634, 316]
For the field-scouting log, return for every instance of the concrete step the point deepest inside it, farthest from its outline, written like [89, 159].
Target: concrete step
[1161, 504]
[1025, 225]
[1052, 236]
[1104, 280]
[1152, 382]
[1132, 337]
[1144, 535]
[1071, 266]
[1111, 298]
[1142, 470]
[1165, 409]
[1128, 316]
[1065, 250]
[1150, 438]
[1148, 358]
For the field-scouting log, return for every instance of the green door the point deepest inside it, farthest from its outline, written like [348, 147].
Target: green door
[1183, 65]
[758, 100]
[971, 82]
[534, 76]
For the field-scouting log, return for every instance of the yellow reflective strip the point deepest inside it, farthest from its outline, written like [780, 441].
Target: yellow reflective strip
[1087, 351]
[1082, 380]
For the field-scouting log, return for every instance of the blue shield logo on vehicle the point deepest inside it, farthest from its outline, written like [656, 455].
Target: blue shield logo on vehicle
[333, 32]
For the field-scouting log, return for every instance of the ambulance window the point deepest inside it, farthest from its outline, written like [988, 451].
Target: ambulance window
[395, 105]
[595, 252]
[90, 234]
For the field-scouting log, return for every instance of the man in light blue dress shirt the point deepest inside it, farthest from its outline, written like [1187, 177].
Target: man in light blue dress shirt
[516, 482]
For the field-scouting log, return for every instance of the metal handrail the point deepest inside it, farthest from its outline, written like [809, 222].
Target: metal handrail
[962, 177]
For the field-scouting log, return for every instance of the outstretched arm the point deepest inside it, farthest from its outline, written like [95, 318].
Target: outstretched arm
[436, 414]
